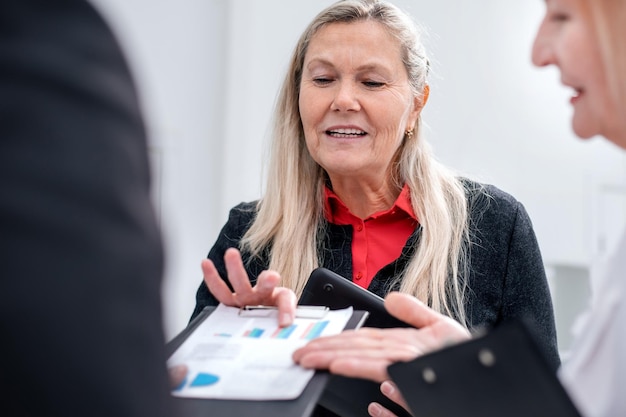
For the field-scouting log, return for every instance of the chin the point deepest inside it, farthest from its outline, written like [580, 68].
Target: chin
[584, 130]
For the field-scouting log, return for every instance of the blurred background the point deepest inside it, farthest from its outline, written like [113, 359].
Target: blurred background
[208, 72]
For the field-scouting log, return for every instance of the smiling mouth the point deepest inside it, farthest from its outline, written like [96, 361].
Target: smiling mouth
[576, 95]
[346, 133]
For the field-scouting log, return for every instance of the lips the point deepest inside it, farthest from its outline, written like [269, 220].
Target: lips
[346, 133]
[577, 90]
[577, 93]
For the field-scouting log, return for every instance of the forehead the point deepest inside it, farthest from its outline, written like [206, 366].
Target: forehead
[563, 3]
[366, 37]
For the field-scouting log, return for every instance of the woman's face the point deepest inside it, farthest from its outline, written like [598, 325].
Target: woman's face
[355, 100]
[567, 39]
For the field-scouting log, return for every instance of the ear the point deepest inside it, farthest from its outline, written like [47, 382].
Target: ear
[418, 106]
[425, 95]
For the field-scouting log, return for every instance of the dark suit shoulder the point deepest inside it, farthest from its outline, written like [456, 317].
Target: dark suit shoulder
[244, 212]
[240, 218]
[491, 207]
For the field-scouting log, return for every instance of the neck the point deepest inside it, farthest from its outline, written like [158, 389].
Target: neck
[364, 199]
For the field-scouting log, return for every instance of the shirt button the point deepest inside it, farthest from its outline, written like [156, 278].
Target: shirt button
[359, 276]
[359, 228]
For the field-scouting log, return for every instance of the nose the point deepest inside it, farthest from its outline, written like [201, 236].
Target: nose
[346, 97]
[542, 52]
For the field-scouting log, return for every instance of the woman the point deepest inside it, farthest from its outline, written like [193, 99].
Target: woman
[585, 40]
[353, 187]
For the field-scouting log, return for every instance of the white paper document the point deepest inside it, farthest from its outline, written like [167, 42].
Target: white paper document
[235, 357]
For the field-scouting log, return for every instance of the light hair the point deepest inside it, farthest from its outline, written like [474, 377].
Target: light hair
[609, 18]
[290, 222]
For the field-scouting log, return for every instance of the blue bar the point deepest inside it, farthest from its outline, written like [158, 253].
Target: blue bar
[286, 332]
[316, 330]
[256, 333]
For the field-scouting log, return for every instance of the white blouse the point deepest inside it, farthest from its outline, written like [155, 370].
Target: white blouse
[594, 373]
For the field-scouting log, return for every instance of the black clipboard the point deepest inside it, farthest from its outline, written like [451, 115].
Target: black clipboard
[503, 373]
[349, 397]
[301, 406]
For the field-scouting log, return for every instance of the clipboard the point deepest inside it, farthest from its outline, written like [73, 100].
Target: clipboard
[349, 397]
[503, 373]
[301, 406]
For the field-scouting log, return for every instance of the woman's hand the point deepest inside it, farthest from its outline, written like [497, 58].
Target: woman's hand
[177, 375]
[265, 292]
[367, 352]
[392, 392]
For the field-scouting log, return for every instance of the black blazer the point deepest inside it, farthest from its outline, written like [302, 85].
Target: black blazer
[506, 277]
[80, 253]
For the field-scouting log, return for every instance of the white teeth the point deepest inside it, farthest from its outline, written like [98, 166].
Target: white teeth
[355, 132]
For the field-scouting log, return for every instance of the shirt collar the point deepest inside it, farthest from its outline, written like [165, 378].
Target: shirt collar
[336, 212]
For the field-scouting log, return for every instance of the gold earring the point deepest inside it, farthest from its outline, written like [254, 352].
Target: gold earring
[409, 134]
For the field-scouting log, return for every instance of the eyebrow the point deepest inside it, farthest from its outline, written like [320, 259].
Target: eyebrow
[361, 68]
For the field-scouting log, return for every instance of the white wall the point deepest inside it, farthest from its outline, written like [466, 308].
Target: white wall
[178, 51]
[209, 70]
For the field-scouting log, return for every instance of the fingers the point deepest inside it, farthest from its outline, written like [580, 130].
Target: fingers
[436, 330]
[243, 293]
[352, 367]
[237, 275]
[402, 344]
[318, 353]
[364, 353]
[216, 285]
[391, 391]
[410, 310]
[177, 375]
[317, 359]
[265, 292]
[359, 363]
[286, 301]
[372, 366]
[377, 410]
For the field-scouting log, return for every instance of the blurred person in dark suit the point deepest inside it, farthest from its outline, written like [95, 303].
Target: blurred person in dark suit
[80, 252]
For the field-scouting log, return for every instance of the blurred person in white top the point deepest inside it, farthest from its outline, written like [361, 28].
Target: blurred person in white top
[586, 41]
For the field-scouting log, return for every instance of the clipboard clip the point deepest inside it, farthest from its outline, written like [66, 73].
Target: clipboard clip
[302, 312]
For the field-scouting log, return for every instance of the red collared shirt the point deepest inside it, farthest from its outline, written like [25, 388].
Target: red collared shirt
[377, 240]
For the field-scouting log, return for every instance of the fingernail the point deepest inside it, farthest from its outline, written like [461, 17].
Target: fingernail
[286, 319]
[374, 410]
[387, 388]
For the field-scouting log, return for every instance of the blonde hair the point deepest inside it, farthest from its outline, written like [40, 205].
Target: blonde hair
[609, 18]
[290, 224]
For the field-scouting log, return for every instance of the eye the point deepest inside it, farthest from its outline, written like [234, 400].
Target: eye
[321, 81]
[559, 17]
[373, 84]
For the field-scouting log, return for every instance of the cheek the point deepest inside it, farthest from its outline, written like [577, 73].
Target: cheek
[308, 120]
[595, 86]
[388, 140]
[309, 106]
[302, 108]
[392, 123]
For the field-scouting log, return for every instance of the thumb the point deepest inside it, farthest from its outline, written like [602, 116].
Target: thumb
[411, 310]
